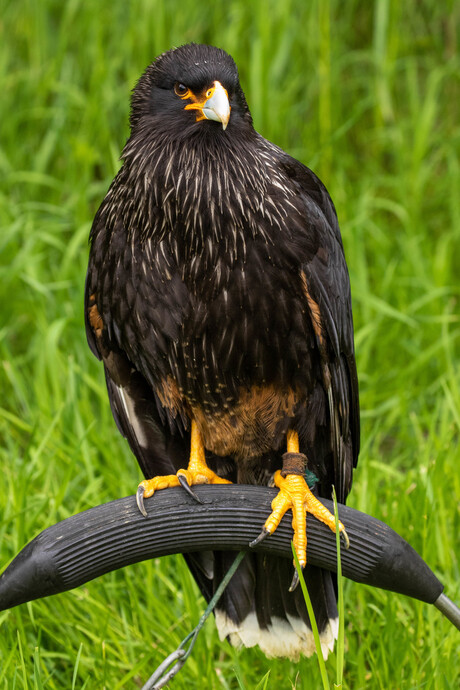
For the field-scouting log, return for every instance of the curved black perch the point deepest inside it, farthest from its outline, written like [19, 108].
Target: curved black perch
[115, 534]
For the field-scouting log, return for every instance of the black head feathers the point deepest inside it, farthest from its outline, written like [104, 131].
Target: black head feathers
[194, 65]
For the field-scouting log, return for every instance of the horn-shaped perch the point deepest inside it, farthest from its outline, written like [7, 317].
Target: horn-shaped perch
[115, 535]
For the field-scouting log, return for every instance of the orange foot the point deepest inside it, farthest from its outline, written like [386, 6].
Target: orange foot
[295, 495]
[197, 472]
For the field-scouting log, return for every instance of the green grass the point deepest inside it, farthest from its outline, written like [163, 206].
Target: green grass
[367, 93]
[314, 626]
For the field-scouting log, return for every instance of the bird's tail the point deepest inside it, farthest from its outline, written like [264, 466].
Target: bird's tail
[258, 609]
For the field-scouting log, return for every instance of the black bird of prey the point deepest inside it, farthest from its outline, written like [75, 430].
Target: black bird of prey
[218, 299]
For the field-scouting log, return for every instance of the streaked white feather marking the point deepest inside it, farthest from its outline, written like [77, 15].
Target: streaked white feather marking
[128, 406]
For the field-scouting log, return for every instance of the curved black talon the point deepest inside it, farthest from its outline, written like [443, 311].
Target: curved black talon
[344, 537]
[185, 485]
[263, 535]
[140, 500]
[295, 581]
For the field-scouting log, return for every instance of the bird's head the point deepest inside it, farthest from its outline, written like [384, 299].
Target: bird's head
[194, 86]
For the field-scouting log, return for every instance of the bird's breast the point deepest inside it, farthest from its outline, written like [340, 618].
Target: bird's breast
[240, 362]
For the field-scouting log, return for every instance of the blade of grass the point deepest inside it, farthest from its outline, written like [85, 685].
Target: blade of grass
[22, 662]
[263, 684]
[340, 602]
[314, 627]
[75, 670]
[37, 673]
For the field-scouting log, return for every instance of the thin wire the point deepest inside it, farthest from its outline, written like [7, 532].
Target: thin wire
[161, 675]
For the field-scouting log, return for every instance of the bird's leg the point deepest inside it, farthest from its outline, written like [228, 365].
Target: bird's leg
[295, 494]
[197, 472]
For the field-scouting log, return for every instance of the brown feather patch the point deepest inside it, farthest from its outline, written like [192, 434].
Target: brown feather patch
[255, 425]
[314, 310]
[170, 396]
[95, 319]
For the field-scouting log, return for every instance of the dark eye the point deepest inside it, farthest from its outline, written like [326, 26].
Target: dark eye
[180, 90]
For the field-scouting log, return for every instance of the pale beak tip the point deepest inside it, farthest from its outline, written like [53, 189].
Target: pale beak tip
[217, 107]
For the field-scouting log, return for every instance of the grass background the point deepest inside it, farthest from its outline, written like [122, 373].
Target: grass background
[367, 93]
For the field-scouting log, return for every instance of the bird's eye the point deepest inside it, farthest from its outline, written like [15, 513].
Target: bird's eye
[181, 90]
[209, 93]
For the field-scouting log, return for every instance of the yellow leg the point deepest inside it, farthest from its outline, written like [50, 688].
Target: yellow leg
[292, 441]
[295, 495]
[197, 472]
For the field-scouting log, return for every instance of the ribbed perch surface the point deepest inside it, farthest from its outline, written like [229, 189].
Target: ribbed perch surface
[115, 535]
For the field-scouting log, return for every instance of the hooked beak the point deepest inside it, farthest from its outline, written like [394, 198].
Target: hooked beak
[216, 107]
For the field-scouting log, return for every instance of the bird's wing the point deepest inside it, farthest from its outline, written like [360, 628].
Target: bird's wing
[326, 286]
[135, 406]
